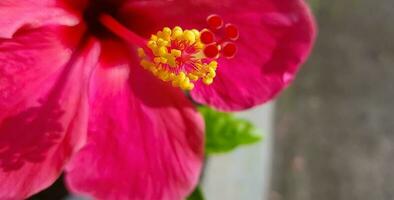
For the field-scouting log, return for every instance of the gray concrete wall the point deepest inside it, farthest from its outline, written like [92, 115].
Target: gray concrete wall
[334, 128]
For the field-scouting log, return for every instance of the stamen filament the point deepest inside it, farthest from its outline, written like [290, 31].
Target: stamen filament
[121, 31]
[181, 57]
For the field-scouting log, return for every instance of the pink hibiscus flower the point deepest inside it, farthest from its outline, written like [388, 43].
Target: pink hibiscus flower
[85, 87]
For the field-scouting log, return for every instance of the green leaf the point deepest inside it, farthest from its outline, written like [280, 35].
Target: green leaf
[224, 132]
[196, 195]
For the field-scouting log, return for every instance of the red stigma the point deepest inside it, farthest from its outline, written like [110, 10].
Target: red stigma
[207, 37]
[211, 51]
[231, 32]
[218, 38]
[229, 49]
[215, 22]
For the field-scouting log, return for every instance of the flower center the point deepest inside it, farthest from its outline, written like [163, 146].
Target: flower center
[182, 57]
[94, 10]
[176, 55]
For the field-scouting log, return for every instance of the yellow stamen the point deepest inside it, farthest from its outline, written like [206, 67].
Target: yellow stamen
[177, 57]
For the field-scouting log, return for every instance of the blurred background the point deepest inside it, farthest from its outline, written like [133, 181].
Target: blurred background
[334, 127]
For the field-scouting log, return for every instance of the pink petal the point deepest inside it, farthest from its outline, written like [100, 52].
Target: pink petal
[43, 107]
[145, 138]
[276, 37]
[34, 13]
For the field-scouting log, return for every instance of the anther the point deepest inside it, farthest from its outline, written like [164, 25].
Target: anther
[177, 56]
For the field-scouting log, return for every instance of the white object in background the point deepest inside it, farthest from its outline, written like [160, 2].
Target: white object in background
[243, 174]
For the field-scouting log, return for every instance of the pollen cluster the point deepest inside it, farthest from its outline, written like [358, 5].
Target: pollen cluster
[177, 56]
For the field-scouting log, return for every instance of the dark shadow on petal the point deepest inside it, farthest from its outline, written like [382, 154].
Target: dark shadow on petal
[28, 136]
[56, 191]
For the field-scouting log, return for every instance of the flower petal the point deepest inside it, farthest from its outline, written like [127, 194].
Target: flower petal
[276, 37]
[43, 107]
[145, 139]
[17, 13]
